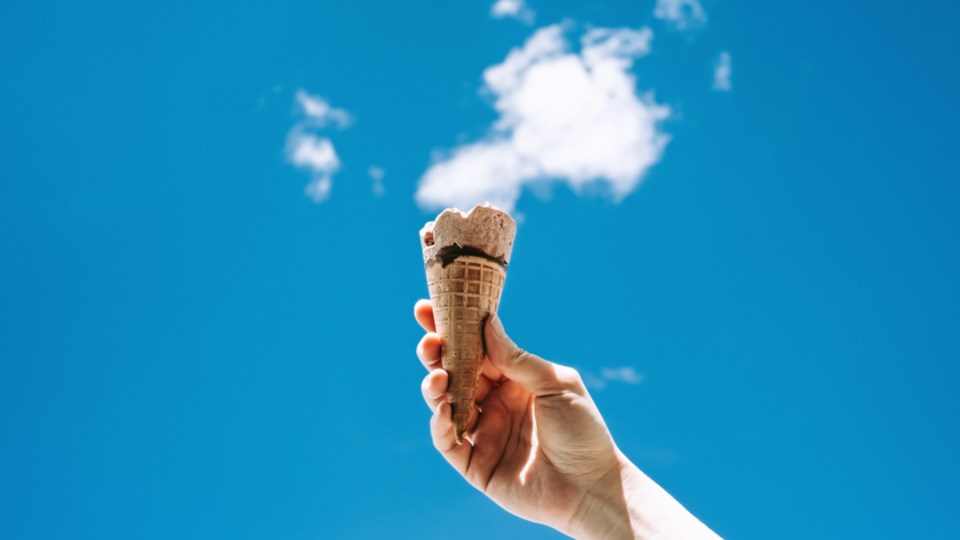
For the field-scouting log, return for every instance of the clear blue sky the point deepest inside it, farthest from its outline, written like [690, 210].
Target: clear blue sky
[190, 347]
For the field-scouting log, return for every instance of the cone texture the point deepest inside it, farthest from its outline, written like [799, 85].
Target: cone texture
[464, 293]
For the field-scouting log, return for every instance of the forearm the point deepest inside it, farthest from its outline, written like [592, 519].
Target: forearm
[629, 505]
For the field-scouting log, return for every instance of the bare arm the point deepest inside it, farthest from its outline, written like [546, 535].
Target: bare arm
[540, 449]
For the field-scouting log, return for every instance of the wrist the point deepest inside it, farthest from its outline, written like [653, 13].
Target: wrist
[603, 511]
[627, 504]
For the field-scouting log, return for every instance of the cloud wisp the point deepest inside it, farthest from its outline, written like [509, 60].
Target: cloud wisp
[514, 9]
[320, 113]
[722, 70]
[623, 374]
[376, 174]
[573, 117]
[317, 155]
[308, 150]
[681, 14]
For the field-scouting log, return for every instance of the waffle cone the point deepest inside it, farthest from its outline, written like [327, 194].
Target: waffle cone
[464, 292]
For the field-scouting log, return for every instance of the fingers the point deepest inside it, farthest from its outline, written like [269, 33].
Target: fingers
[434, 388]
[442, 428]
[428, 351]
[537, 375]
[444, 439]
[483, 390]
[429, 348]
[423, 311]
[491, 372]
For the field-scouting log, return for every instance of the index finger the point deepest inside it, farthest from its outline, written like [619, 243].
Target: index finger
[423, 311]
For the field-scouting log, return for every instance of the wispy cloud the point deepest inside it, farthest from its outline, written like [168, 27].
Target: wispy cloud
[681, 14]
[564, 116]
[377, 173]
[516, 9]
[320, 113]
[624, 374]
[307, 150]
[722, 72]
[316, 154]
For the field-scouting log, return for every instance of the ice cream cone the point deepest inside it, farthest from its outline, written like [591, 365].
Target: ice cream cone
[466, 259]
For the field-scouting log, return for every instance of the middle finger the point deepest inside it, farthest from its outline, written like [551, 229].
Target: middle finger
[428, 351]
[434, 388]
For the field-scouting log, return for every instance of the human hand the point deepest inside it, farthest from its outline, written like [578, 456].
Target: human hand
[538, 446]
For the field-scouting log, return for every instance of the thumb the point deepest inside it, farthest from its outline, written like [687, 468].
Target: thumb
[529, 370]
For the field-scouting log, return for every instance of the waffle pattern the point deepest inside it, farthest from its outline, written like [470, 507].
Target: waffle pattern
[463, 294]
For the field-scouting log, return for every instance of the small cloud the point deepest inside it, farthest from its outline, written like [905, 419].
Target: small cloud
[320, 113]
[563, 116]
[314, 153]
[722, 72]
[317, 155]
[620, 45]
[681, 14]
[307, 150]
[377, 174]
[625, 374]
[515, 9]
[319, 189]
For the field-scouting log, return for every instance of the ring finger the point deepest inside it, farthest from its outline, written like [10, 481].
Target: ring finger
[428, 351]
[434, 388]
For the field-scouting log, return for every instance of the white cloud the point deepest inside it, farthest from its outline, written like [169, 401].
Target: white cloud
[307, 150]
[317, 155]
[377, 174]
[516, 9]
[682, 14]
[572, 117]
[620, 45]
[320, 113]
[721, 73]
[314, 153]
[625, 374]
[319, 188]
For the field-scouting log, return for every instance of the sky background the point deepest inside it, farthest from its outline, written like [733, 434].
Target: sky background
[191, 346]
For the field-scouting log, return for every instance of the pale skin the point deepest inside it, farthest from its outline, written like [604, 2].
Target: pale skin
[539, 448]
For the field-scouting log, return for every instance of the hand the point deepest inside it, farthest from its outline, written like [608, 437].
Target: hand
[540, 449]
[539, 443]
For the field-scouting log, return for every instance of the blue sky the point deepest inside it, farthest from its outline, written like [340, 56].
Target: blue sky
[191, 346]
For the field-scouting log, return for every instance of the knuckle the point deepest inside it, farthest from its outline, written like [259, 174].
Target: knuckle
[427, 348]
[518, 356]
[570, 379]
